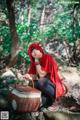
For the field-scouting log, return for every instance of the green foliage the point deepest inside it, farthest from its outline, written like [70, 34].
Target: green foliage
[6, 40]
[21, 56]
[61, 25]
[27, 34]
[33, 2]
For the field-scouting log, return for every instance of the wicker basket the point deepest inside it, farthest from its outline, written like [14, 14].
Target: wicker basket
[25, 98]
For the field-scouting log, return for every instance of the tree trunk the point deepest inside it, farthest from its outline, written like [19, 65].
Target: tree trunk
[28, 14]
[42, 19]
[15, 47]
[21, 16]
[42, 25]
[22, 3]
[74, 34]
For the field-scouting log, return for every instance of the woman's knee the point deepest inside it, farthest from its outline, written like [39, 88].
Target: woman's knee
[40, 83]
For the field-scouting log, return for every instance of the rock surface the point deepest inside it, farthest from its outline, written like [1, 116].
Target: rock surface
[62, 116]
[71, 78]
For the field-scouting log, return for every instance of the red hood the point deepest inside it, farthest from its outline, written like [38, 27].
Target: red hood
[34, 46]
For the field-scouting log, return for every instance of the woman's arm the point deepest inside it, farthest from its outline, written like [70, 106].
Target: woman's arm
[39, 70]
[29, 76]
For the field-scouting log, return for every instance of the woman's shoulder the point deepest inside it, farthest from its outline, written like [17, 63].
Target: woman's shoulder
[47, 57]
[50, 58]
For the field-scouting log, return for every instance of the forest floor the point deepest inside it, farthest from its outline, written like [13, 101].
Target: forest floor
[71, 78]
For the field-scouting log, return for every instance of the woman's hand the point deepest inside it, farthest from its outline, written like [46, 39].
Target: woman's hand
[36, 60]
[27, 76]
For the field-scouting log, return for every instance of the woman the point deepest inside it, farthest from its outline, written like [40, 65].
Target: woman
[44, 71]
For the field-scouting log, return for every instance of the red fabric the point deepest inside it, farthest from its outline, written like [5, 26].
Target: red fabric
[49, 65]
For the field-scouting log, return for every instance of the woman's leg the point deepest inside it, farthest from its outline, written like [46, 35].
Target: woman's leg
[48, 90]
[46, 86]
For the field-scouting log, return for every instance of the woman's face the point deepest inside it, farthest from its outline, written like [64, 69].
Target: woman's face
[36, 54]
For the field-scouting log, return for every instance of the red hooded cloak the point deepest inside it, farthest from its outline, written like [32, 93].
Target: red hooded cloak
[49, 65]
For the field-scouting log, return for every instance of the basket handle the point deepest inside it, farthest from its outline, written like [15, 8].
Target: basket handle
[30, 80]
[32, 83]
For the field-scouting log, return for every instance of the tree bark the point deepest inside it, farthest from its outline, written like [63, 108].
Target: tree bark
[42, 19]
[15, 47]
[42, 25]
[21, 16]
[28, 14]
[74, 34]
